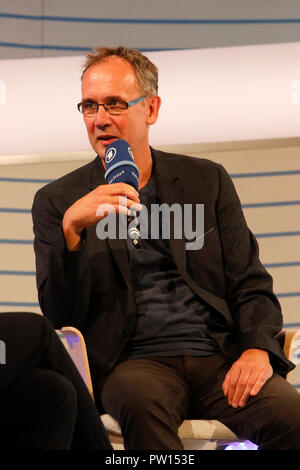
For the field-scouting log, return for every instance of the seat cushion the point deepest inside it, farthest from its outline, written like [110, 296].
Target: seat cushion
[189, 429]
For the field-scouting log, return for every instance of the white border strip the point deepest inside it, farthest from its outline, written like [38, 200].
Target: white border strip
[84, 155]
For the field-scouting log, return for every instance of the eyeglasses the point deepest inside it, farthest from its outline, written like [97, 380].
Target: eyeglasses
[90, 108]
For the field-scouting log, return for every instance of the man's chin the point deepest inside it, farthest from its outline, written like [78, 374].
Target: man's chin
[100, 147]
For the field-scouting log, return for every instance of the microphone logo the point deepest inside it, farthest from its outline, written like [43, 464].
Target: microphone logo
[130, 153]
[110, 155]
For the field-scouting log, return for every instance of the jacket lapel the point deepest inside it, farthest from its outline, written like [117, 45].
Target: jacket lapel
[170, 192]
[97, 174]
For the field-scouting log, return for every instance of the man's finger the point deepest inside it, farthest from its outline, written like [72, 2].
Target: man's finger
[260, 381]
[234, 375]
[241, 388]
[243, 399]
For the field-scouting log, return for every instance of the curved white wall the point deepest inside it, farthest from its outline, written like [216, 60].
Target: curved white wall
[209, 95]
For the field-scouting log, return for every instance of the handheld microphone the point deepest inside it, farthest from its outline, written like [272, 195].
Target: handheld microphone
[121, 168]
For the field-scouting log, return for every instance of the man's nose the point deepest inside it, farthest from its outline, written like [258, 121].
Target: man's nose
[102, 117]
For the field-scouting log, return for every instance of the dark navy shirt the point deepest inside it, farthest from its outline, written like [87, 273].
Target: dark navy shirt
[171, 319]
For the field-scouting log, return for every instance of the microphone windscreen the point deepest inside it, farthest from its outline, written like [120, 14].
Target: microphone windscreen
[120, 165]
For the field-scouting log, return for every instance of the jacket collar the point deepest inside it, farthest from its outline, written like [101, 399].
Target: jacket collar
[97, 173]
[163, 170]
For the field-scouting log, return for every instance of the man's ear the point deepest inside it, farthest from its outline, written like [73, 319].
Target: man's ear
[153, 105]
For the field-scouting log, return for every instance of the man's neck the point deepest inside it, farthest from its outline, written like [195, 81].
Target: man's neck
[144, 163]
[145, 175]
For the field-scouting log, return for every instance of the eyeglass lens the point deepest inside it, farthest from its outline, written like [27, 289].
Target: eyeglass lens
[90, 108]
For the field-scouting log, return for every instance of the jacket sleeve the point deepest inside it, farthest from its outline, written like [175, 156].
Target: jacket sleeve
[255, 308]
[63, 276]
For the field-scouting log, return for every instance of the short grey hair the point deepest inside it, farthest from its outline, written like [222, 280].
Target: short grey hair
[146, 71]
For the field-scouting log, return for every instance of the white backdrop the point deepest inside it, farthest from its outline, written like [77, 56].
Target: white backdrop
[209, 95]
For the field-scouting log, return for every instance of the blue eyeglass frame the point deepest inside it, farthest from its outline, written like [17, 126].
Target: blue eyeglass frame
[129, 103]
[138, 100]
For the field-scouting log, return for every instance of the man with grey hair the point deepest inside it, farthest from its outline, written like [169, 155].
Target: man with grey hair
[170, 333]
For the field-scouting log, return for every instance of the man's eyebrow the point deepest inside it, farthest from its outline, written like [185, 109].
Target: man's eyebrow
[89, 100]
[114, 98]
[107, 100]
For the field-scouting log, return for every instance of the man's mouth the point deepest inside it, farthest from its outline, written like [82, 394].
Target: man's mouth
[106, 139]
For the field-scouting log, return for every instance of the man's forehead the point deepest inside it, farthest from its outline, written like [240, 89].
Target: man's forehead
[112, 67]
[113, 73]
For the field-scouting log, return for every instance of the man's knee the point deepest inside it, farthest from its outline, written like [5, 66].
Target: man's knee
[57, 394]
[130, 393]
[125, 392]
[277, 416]
[25, 326]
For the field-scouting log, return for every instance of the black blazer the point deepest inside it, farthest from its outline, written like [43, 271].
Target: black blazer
[91, 289]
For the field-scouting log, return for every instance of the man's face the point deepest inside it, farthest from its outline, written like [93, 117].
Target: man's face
[114, 79]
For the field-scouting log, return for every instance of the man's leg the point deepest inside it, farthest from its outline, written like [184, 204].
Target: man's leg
[39, 411]
[271, 419]
[149, 399]
[31, 342]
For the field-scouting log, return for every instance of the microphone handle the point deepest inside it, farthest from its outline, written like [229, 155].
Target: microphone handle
[133, 232]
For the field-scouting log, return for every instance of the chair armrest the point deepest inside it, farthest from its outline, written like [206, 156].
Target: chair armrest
[77, 350]
[292, 345]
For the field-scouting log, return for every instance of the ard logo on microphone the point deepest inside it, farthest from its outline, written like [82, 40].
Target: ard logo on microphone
[110, 155]
[130, 153]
